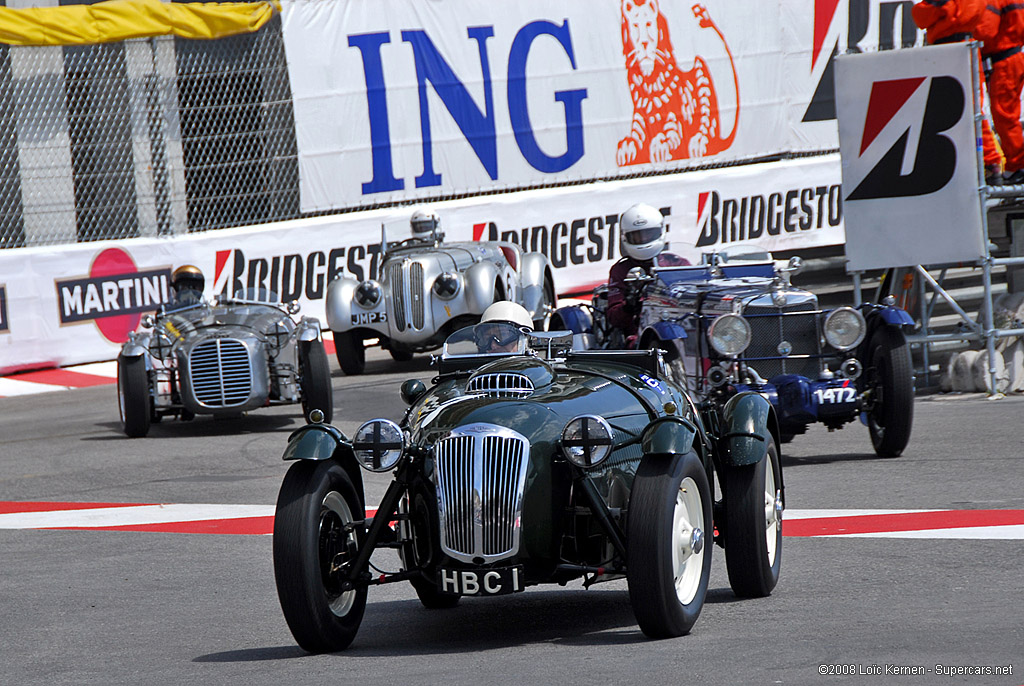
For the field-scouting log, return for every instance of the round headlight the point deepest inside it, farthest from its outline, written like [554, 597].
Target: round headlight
[844, 328]
[378, 445]
[730, 334]
[367, 294]
[446, 285]
[587, 440]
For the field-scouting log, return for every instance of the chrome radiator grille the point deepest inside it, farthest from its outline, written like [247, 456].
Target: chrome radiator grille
[396, 286]
[481, 474]
[501, 385]
[416, 294]
[220, 372]
[769, 326]
[408, 306]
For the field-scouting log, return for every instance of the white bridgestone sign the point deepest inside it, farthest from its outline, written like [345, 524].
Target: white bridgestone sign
[909, 157]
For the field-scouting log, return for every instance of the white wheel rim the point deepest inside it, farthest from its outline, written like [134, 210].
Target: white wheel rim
[688, 545]
[772, 513]
[341, 604]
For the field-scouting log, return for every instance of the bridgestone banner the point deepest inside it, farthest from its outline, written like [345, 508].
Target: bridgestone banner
[909, 157]
[78, 304]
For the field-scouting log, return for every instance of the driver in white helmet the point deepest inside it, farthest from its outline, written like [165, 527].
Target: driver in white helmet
[426, 225]
[501, 327]
[642, 242]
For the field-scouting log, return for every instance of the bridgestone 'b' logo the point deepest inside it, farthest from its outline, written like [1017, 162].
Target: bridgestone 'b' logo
[935, 157]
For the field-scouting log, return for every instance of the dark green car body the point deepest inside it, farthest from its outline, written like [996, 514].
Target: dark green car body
[567, 520]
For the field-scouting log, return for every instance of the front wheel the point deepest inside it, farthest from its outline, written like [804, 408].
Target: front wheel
[400, 355]
[753, 525]
[133, 397]
[316, 379]
[668, 561]
[891, 372]
[318, 528]
[350, 351]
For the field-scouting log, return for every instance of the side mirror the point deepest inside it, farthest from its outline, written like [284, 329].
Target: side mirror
[411, 390]
[294, 307]
[635, 274]
[796, 264]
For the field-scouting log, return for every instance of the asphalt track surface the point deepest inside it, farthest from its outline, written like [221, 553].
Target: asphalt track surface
[147, 607]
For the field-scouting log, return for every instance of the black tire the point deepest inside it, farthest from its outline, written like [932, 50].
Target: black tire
[548, 303]
[133, 397]
[350, 351]
[892, 374]
[317, 393]
[316, 500]
[786, 438]
[431, 598]
[400, 355]
[654, 523]
[753, 526]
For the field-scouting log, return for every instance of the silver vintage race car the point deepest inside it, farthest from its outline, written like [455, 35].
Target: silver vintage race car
[221, 358]
[427, 289]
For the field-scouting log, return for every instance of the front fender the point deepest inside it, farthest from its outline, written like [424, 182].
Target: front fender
[895, 316]
[136, 345]
[308, 329]
[666, 331]
[534, 274]
[747, 420]
[480, 279]
[668, 435]
[338, 303]
[319, 442]
[572, 318]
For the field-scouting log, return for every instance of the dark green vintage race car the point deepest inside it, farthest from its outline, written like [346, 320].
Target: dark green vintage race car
[525, 463]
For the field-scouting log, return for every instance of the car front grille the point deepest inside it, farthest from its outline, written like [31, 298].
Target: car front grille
[501, 385]
[797, 324]
[409, 307]
[416, 294]
[396, 286]
[481, 474]
[220, 372]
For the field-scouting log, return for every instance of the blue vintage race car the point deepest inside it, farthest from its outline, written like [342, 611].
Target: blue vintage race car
[735, 323]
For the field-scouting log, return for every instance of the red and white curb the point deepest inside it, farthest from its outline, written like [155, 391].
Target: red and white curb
[259, 520]
[63, 379]
[79, 376]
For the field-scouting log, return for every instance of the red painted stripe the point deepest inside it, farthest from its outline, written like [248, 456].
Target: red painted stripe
[12, 507]
[65, 377]
[245, 526]
[908, 521]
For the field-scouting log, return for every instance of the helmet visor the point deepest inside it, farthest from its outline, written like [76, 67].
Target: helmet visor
[642, 236]
[423, 225]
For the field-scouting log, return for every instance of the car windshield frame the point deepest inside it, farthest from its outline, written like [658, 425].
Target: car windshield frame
[466, 342]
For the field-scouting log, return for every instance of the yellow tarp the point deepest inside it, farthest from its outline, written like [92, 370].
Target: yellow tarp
[117, 20]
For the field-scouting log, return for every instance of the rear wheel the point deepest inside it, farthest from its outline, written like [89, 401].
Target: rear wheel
[348, 346]
[317, 393]
[753, 525]
[316, 538]
[891, 372]
[133, 396]
[668, 563]
[400, 355]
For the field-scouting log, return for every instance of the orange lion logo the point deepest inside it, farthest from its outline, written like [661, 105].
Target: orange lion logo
[675, 113]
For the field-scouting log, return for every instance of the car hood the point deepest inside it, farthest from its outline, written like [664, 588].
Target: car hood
[559, 394]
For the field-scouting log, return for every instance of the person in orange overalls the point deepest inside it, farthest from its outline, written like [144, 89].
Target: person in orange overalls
[954, 21]
[1001, 30]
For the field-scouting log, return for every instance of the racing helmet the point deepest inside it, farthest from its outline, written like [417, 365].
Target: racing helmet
[642, 230]
[188, 279]
[505, 311]
[425, 223]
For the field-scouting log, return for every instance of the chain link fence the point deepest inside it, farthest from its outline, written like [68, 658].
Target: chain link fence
[159, 136]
